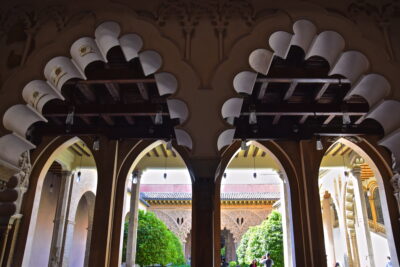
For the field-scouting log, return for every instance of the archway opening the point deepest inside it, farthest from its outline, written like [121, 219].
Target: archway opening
[355, 231]
[62, 211]
[255, 209]
[158, 200]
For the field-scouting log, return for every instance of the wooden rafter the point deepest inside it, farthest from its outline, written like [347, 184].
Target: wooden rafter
[263, 88]
[143, 91]
[164, 151]
[321, 91]
[255, 152]
[290, 91]
[81, 149]
[113, 89]
[86, 91]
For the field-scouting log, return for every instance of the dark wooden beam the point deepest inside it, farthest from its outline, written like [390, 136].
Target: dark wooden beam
[155, 152]
[330, 149]
[262, 91]
[255, 151]
[94, 110]
[57, 121]
[304, 131]
[329, 119]
[87, 92]
[114, 90]
[246, 152]
[75, 151]
[301, 109]
[85, 120]
[143, 91]
[303, 80]
[137, 131]
[337, 151]
[82, 150]
[345, 151]
[276, 119]
[303, 119]
[321, 91]
[164, 151]
[290, 91]
[129, 120]
[360, 120]
[108, 119]
[119, 81]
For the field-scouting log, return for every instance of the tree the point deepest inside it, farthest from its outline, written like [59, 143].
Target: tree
[263, 238]
[156, 244]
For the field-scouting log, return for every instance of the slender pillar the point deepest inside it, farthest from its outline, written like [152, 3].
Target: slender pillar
[362, 214]
[87, 249]
[202, 223]
[68, 240]
[354, 247]
[60, 219]
[133, 220]
[89, 234]
[328, 229]
[106, 162]
[310, 159]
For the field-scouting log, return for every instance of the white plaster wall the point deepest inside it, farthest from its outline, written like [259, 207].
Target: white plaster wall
[340, 246]
[381, 249]
[44, 226]
[87, 183]
[77, 255]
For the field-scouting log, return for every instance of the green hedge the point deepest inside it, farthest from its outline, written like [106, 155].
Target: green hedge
[156, 244]
[263, 238]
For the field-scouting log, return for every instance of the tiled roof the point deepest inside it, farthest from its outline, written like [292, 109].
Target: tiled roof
[224, 196]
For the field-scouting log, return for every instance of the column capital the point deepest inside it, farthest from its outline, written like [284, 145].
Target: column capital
[327, 195]
[395, 181]
[356, 171]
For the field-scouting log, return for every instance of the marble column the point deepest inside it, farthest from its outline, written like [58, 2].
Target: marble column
[328, 229]
[133, 220]
[60, 219]
[362, 214]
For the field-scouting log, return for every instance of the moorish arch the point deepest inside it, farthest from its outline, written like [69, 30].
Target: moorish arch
[344, 67]
[292, 208]
[307, 86]
[42, 161]
[87, 54]
[130, 164]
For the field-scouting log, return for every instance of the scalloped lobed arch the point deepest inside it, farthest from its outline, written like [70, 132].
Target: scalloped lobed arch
[59, 70]
[329, 45]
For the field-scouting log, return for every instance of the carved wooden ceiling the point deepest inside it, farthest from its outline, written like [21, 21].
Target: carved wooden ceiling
[298, 99]
[117, 100]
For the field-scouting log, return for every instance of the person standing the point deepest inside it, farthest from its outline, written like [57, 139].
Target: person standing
[253, 263]
[267, 261]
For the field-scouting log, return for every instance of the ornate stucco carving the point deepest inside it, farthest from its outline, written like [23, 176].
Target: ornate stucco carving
[178, 221]
[382, 12]
[238, 221]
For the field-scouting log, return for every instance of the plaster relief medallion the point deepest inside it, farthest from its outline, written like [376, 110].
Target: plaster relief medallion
[56, 74]
[36, 97]
[85, 49]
